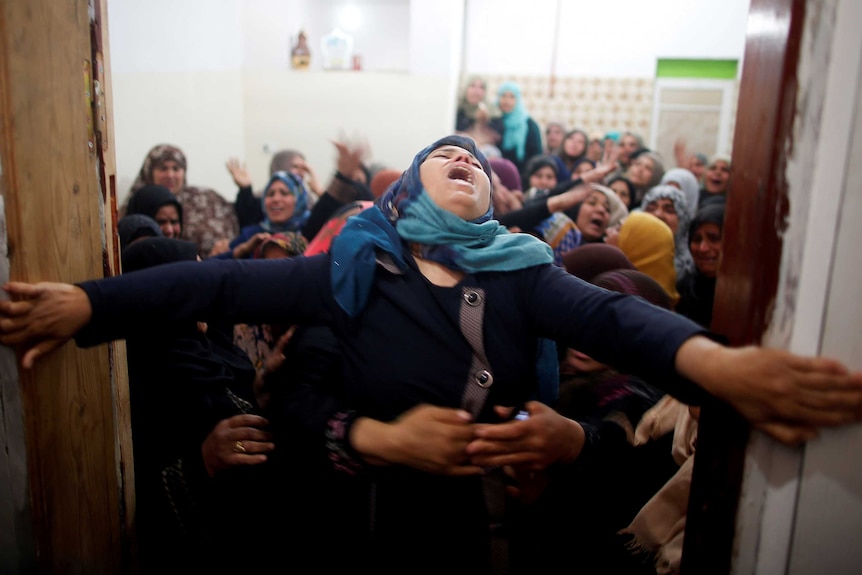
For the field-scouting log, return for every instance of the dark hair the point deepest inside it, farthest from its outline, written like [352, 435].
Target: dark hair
[633, 282]
[149, 252]
[582, 160]
[638, 152]
[629, 185]
[149, 199]
[535, 164]
[708, 214]
[133, 227]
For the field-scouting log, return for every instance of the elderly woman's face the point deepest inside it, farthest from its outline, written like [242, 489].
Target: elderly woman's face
[665, 210]
[170, 175]
[456, 182]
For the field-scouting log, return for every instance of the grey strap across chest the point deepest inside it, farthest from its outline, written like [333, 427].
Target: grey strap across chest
[479, 379]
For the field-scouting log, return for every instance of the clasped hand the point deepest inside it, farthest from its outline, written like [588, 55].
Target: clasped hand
[446, 441]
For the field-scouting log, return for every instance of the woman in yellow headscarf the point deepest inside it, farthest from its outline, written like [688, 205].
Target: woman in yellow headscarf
[648, 243]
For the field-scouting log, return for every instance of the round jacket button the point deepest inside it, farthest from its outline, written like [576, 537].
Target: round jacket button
[484, 379]
[472, 298]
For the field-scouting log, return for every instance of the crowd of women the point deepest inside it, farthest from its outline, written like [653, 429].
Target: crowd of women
[483, 363]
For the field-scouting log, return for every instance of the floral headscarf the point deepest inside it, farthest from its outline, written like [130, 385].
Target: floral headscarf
[292, 243]
[159, 154]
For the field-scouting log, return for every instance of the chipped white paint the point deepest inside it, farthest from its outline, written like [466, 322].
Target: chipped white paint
[771, 515]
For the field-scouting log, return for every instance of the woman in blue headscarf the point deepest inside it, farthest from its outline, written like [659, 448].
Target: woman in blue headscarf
[437, 309]
[522, 138]
[285, 208]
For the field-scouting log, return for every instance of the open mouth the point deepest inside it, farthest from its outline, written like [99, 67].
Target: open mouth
[462, 174]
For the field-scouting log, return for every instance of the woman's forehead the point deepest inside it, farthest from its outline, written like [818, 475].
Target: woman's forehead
[597, 195]
[454, 149]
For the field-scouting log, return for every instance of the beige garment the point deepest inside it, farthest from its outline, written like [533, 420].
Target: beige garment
[659, 527]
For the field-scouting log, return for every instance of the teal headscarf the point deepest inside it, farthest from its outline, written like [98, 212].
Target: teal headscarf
[515, 122]
[405, 213]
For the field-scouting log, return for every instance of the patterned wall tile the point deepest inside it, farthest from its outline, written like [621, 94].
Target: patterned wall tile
[593, 104]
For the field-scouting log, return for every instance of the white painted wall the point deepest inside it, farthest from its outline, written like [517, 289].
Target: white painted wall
[611, 38]
[189, 72]
[193, 73]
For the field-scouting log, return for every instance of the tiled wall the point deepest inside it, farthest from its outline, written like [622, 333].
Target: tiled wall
[606, 104]
[591, 104]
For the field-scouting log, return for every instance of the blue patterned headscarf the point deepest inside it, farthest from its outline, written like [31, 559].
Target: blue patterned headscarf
[300, 213]
[515, 122]
[406, 213]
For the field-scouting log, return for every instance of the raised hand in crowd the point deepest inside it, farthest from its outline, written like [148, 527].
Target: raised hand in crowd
[606, 166]
[238, 172]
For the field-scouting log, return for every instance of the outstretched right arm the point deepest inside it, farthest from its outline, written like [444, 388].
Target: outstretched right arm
[43, 316]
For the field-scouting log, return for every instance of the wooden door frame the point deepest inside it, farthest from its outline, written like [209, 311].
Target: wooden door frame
[756, 216]
[56, 149]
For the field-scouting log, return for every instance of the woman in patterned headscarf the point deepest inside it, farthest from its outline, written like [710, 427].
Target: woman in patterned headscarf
[285, 208]
[522, 138]
[668, 204]
[207, 216]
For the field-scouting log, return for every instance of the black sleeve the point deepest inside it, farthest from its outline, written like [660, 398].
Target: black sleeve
[256, 291]
[531, 215]
[535, 211]
[623, 331]
[247, 207]
[341, 192]
[320, 214]
[306, 388]
[462, 121]
[533, 146]
[564, 187]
